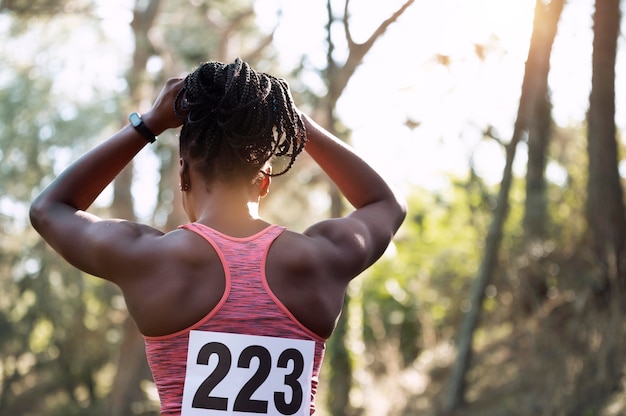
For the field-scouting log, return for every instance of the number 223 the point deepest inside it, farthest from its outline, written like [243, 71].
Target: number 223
[236, 374]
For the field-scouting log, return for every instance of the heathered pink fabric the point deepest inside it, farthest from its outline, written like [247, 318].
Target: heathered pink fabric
[248, 306]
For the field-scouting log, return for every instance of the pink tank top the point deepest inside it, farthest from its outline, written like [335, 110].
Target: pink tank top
[248, 307]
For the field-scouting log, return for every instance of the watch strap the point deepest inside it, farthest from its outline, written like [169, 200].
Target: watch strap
[140, 126]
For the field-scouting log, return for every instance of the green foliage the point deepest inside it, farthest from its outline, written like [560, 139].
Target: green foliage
[416, 289]
[29, 8]
[57, 335]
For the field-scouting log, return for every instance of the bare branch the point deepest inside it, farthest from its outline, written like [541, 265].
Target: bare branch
[346, 24]
[361, 49]
[357, 51]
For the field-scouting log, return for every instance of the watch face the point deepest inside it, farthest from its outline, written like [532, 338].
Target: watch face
[135, 120]
[137, 123]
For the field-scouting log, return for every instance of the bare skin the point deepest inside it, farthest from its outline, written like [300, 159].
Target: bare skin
[159, 273]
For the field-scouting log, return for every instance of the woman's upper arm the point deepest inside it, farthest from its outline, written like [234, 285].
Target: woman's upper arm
[351, 244]
[110, 249]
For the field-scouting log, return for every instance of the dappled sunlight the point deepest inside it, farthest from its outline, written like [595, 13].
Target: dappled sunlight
[405, 389]
[432, 106]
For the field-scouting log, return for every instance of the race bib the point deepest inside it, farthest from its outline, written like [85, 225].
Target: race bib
[234, 374]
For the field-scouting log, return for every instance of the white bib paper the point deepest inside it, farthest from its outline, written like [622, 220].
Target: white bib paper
[234, 374]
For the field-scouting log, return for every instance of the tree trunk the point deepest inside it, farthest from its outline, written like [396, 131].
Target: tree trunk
[534, 79]
[540, 122]
[602, 372]
[534, 288]
[132, 364]
[340, 377]
[132, 368]
[605, 206]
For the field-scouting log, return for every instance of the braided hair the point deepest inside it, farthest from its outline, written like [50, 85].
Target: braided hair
[236, 120]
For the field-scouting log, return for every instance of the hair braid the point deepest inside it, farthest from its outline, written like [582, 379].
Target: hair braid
[238, 118]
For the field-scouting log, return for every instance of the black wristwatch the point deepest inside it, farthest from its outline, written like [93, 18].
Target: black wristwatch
[139, 125]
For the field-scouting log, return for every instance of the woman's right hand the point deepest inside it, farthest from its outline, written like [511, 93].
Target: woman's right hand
[162, 116]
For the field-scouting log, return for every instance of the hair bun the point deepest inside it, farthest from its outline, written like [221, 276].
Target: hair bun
[250, 111]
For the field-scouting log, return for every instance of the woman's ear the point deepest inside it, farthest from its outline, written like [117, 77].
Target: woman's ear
[184, 176]
[264, 189]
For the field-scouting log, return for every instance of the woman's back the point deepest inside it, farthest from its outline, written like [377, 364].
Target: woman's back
[257, 324]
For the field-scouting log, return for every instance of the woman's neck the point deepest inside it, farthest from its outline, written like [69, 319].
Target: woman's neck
[228, 208]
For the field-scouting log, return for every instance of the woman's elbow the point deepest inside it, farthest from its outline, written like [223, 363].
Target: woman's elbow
[400, 209]
[36, 213]
[39, 213]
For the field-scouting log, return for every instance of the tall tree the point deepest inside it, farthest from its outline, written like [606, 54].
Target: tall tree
[336, 76]
[605, 206]
[602, 371]
[132, 364]
[540, 123]
[532, 103]
[534, 286]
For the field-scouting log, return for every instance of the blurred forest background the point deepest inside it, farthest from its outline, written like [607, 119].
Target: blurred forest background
[503, 293]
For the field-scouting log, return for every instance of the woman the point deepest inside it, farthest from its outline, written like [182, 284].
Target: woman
[235, 311]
